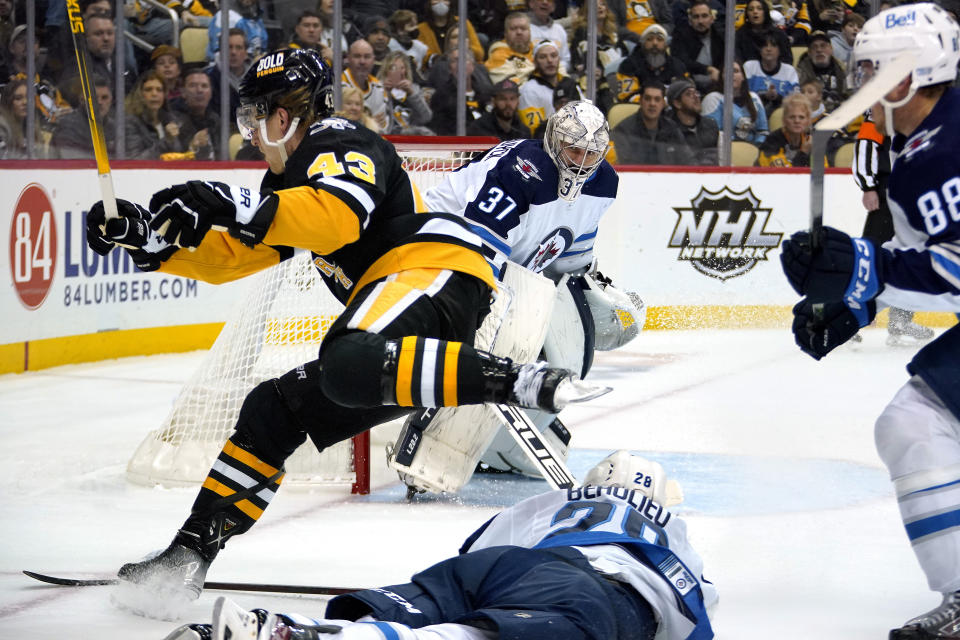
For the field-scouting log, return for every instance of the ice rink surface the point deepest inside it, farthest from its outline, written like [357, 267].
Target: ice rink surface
[786, 499]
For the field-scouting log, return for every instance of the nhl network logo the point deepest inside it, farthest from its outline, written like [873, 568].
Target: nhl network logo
[723, 233]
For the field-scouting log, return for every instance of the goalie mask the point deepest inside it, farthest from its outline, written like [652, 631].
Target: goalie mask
[925, 30]
[576, 139]
[296, 79]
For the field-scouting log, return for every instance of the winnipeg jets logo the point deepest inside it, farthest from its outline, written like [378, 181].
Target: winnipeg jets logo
[918, 143]
[527, 170]
[549, 249]
[723, 234]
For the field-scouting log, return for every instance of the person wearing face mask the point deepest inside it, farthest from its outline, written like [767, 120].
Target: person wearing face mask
[440, 16]
[407, 111]
[404, 33]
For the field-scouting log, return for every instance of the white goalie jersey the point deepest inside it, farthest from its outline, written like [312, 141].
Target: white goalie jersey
[624, 535]
[510, 198]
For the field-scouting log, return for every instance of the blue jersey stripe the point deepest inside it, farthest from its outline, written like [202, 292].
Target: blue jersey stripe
[933, 488]
[933, 524]
[388, 632]
[490, 239]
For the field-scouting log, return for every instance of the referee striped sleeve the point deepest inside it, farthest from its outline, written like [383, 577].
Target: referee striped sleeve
[865, 164]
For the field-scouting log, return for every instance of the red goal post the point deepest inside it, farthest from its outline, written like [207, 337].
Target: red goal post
[276, 327]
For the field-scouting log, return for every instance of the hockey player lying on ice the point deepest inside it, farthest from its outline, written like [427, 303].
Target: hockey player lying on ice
[605, 561]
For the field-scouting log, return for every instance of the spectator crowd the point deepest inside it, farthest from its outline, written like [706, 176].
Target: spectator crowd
[659, 71]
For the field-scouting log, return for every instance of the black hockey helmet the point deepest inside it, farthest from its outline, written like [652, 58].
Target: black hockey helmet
[296, 79]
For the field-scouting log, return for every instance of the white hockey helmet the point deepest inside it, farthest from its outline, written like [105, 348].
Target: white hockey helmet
[925, 30]
[631, 471]
[576, 139]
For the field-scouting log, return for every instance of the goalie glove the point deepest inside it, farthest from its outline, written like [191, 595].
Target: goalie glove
[819, 328]
[184, 213]
[131, 231]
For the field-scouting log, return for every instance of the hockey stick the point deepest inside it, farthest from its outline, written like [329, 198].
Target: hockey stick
[885, 80]
[216, 586]
[535, 446]
[96, 133]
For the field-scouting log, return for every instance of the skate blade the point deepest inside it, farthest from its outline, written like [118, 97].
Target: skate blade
[233, 622]
[906, 341]
[579, 391]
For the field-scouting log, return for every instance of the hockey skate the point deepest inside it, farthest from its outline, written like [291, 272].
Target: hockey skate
[941, 623]
[233, 622]
[191, 632]
[539, 386]
[162, 584]
[904, 332]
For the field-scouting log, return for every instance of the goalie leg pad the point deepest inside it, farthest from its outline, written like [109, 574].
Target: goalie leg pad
[443, 456]
[569, 340]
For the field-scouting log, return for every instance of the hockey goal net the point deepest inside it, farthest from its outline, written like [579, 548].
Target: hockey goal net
[278, 326]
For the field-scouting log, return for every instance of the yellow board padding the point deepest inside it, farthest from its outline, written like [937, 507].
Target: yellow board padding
[53, 352]
[17, 357]
[756, 317]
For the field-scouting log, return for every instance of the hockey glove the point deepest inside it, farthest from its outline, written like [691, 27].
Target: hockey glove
[130, 230]
[819, 328]
[841, 268]
[184, 213]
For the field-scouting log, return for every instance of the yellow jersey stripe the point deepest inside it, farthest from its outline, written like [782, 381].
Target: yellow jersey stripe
[450, 374]
[247, 507]
[332, 223]
[427, 255]
[249, 459]
[408, 351]
[220, 258]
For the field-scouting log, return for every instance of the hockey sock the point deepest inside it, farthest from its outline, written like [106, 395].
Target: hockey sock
[233, 497]
[364, 370]
[426, 372]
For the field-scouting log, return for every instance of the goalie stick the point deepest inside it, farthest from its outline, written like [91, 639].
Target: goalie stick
[216, 586]
[538, 450]
[886, 79]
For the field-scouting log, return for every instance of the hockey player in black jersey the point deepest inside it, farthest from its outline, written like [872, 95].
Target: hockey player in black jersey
[415, 286]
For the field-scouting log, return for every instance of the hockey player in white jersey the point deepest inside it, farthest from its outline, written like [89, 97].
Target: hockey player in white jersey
[537, 205]
[918, 433]
[605, 561]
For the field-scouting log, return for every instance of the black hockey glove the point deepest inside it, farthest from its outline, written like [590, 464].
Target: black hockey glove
[130, 230]
[841, 268]
[184, 213]
[819, 328]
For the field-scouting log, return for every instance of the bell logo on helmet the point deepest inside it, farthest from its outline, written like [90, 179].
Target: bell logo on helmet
[906, 20]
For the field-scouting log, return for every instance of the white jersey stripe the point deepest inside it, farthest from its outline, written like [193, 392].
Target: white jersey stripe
[243, 479]
[354, 190]
[428, 367]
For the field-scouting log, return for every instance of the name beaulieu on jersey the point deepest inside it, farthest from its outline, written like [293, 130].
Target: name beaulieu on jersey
[723, 233]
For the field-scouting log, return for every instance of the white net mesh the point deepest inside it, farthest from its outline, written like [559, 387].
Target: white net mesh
[276, 328]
